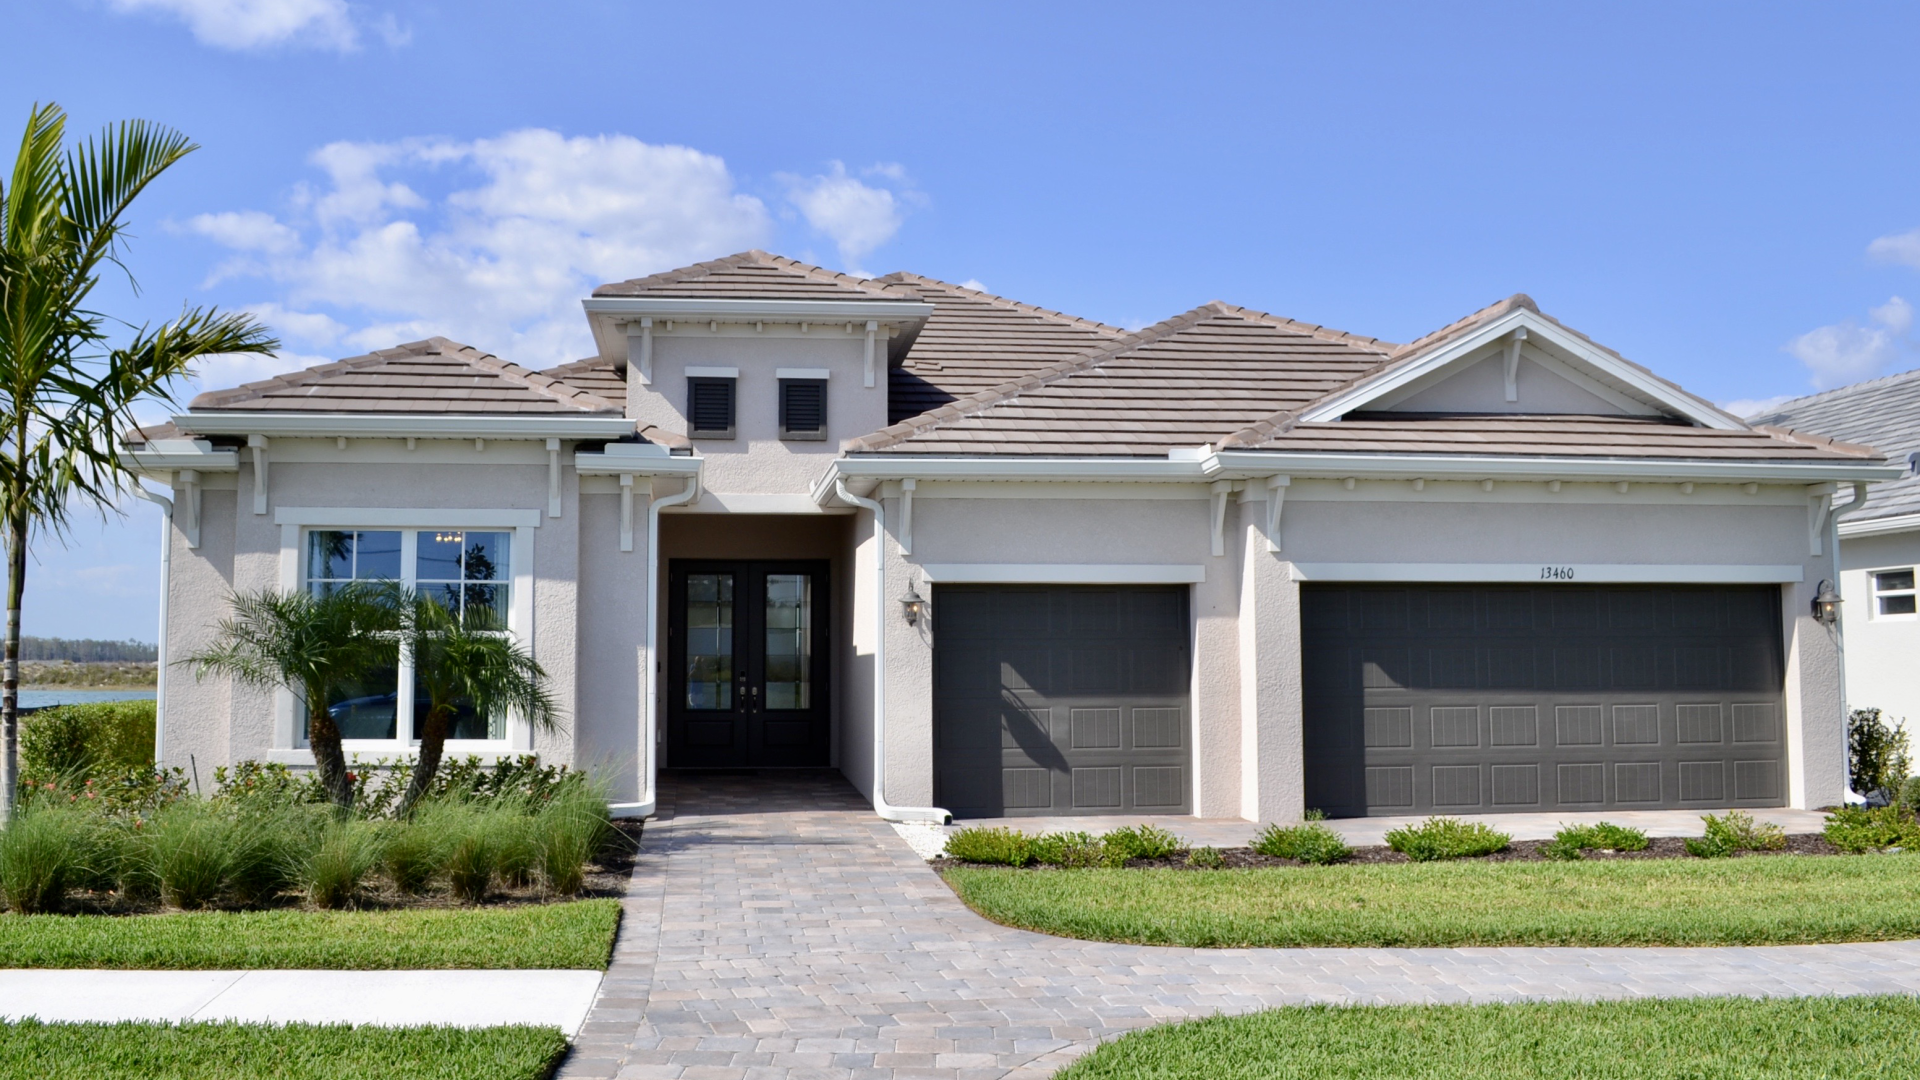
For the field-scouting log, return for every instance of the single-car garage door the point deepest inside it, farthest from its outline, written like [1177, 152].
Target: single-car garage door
[1486, 698]
[1060, 699]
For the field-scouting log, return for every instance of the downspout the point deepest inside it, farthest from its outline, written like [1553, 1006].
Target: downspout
[160, 650]
[880, 804]
[649, 705]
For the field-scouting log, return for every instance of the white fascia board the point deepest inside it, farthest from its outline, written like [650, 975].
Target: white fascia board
[486, 517]
[695, 309]
[1886, 526]
[1642, 382]
[1065, 573]
[405, 425]
[636, 465]
[1553, 574]
[1008, 469]
[1242, 464]
[152, 463]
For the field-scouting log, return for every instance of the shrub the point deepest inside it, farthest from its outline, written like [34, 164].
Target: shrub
[1311, 842]
[1876, 754]
[1141, 842]
[335, 865]
[1074, 850]
[413, 855]
[1206, 858]
[996, 846]
[74, 742]
[44, 851]
[199, 852]
[568, 831]
[1910, 795]
[1859, 830]
[1572, 840]
[1736, 831]
[1446, 838]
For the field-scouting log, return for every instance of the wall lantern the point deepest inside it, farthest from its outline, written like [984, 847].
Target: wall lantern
[913, 605]
[1826, 604]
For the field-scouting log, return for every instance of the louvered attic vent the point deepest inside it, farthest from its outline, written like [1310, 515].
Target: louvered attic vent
[710, 408]
[803, 409]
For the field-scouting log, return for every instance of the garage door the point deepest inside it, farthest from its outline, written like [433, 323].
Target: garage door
[1485, 698]
[1060, 699]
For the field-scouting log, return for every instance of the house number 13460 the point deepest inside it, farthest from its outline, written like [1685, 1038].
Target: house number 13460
[1556, 573]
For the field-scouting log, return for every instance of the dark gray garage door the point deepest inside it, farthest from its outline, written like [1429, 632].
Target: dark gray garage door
[1483, 698]
[1060, 699]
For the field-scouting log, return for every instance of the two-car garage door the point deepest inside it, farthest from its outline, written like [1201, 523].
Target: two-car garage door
[1485, 698]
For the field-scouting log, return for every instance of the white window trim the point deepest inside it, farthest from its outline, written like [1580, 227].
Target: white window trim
[294, 522]
[1874, 593]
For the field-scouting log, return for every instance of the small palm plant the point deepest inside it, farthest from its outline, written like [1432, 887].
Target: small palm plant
[313, 644]
[466, 658]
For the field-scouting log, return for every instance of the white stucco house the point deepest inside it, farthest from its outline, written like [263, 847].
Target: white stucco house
[994, 560]
[1879, 540]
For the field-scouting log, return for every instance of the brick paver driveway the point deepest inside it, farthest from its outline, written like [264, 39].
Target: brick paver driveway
[777, 929]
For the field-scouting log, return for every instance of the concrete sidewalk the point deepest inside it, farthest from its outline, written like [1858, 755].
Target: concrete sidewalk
[387, 998]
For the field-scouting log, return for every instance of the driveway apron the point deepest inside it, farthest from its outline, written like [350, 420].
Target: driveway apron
[776, 928]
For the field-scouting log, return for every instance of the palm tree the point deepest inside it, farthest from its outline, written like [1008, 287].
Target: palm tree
[313, 644]
[467, 659]
[65, 387]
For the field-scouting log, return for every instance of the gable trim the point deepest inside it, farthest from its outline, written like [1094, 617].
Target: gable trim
[1580, 379]
[1370, 390]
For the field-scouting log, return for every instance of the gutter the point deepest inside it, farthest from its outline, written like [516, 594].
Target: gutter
[881, 806]
[1245, 464]
[649, 704]
[160, 651]
[330, 425]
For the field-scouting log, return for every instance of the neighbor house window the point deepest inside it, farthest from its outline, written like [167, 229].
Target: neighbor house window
[1893, 593]
[710, 408]
[803, 409]
[466, 571]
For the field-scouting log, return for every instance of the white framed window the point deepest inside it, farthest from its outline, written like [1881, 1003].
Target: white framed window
[1893, 593]
[459, 568]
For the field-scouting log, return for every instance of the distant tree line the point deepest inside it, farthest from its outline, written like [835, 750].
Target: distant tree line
[86, 650]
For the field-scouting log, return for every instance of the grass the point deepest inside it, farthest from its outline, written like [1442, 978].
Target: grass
[578, 934]
[1749, 901]
[30, 1050]
[1865, 1038]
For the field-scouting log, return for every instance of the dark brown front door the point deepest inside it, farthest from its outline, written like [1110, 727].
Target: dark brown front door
[747, 664]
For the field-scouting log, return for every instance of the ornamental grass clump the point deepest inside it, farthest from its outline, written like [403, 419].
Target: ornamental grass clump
[412, 857]
[1858, 830]
[342, 855]
[992, 846]
[1309, 842]
[1572, 842]
[1446, 838]
[44, 851]
[200, 854]
[1736, 831]
[568, 831]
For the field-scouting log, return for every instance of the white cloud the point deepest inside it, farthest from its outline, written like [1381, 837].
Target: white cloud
[856, 217]
[1748, 408]
[1903, 248]
[501, 262]
[974, 284]
[254, 24]
[1848, 352]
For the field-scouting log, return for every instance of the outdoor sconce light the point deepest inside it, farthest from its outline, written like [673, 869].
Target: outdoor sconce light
[1826, 605]
[913, 605]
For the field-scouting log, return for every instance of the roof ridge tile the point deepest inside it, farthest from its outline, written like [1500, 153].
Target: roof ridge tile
[535, 382]
[909, 277]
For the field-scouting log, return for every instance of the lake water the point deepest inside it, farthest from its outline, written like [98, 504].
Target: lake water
[40, 699]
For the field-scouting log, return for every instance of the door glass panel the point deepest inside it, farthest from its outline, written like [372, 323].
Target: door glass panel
[789, 622]
[710, 641]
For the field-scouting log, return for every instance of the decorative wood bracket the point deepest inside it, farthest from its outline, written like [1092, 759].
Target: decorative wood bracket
[189, 481]
[258, 444]
[1276, 498]
[553, 478]
[873, 328]
[626, 511]
[640, 352]
[1221, 489]
[1819, 507]
[906, 515]
[1513, 363]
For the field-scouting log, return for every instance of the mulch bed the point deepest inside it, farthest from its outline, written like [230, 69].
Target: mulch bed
[1664, 847]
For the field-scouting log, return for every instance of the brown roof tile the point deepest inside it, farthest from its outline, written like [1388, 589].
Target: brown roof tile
[1554, 436]
[751, 275]
[431, 376]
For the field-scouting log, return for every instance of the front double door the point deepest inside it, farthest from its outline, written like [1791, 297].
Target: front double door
[747, 664]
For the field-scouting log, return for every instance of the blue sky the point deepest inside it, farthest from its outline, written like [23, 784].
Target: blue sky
[1725, 193]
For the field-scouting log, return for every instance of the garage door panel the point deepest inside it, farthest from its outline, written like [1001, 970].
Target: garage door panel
[1084, 705]
[1580, 698]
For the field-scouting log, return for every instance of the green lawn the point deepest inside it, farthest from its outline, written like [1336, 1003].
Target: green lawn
[1752, 901]
[570, 935]
[30, 1050]
[1695, 1039]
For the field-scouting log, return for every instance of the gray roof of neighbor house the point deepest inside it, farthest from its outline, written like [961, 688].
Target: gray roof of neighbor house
[1883, 413]
[432, 376]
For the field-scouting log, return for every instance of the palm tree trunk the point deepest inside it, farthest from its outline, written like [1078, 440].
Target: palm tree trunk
[10, 686]
[433, 743]
[323, 737]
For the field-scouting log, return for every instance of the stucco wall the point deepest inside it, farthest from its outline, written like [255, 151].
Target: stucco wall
[1882, 651]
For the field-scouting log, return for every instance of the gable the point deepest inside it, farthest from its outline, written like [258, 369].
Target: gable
[1542, 385]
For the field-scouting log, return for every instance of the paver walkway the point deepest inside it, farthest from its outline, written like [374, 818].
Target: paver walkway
[777, 929]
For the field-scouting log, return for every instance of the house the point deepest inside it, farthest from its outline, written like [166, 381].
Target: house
[1879, 539]
[991, 559]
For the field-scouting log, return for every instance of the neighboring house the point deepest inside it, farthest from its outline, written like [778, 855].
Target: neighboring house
[1879, 539]
[1229, 565]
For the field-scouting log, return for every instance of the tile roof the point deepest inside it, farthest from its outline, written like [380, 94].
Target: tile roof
[1883, 413]
[975, 341]
[1552, 436]
[1188, 380]
[752, 275]
[604, 379]
[431, 376]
